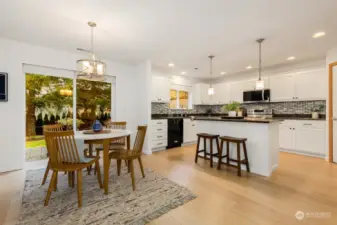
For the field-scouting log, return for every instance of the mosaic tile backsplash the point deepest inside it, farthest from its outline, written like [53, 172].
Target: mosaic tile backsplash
[299, 107]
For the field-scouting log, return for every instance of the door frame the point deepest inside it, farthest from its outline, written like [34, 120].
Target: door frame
[330, 111]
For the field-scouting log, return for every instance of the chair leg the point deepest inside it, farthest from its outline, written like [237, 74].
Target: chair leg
[211, 151]
[79, 188]
[141, 166]
[220, 155]
[119, 165]
[227, 152]
[55, 183]
[246, 156]
[196, 152]
[132, 174]
[239, 159]
[50, 189]
[73, 179]
[205, 142]
[99, 177]
[129, 167]
[46, 174]
[97, 154]
[69, 179]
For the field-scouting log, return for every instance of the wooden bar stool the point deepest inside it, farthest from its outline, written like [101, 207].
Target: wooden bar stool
[205, 137]
[239, 162]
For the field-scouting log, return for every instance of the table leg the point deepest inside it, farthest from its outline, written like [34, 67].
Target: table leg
[90, 155]
[90, 149]
[106, 165]
[128, 142]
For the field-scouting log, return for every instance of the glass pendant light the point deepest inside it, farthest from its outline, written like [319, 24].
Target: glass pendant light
[91, 68]
[260, 83]
[211, 89]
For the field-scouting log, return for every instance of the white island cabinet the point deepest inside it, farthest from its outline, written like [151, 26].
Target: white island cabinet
[262, 141]
[190, 131]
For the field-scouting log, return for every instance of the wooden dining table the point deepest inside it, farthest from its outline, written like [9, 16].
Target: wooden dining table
[104, 139]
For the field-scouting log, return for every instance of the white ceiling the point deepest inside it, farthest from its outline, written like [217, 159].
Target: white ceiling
[181, 31]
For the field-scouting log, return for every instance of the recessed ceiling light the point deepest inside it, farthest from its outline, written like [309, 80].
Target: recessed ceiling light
[249, 67]
[291, 58]
[183, 73]
[223, 73]
[319, 34]
[171, 65]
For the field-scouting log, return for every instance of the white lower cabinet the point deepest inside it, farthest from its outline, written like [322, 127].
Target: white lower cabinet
[158, 134]
[303, 137]
[286, 136]
[190, 131]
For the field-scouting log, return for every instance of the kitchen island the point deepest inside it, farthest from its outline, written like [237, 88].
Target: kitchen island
[262, 143]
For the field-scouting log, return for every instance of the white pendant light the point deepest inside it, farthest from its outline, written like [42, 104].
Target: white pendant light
[211, 89]
[260, 83]
[91, 68]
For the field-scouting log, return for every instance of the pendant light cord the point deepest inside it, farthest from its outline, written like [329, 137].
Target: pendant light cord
[260, 56]
[260, 61]
[211, 67]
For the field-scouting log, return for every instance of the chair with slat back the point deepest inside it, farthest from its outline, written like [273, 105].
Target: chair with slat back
[117, 144]
[64, 156]
[130, 155]
[55, 128]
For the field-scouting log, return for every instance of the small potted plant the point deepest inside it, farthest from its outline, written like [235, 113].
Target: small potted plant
[316, 111]
[231, 108]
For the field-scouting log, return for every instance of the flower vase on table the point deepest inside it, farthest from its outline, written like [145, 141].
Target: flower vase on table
[97, 127]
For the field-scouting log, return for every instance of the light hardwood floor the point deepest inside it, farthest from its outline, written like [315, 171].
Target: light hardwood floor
[300, 183]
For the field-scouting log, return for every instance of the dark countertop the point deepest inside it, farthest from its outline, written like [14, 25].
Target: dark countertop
[297, 117]
[244, 120]
[212, 116]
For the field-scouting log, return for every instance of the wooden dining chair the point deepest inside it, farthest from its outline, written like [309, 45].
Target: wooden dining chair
[64, 156]
[51, 128]
[115, 145]
[130, 155]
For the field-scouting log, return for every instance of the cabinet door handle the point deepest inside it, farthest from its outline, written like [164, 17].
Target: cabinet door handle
[159, 123]
[193, 125]
[159, 136]
[307, 124]
[160, 143]
[159, 129]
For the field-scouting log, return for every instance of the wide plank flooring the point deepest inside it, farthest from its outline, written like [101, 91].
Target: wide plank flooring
[300, 183]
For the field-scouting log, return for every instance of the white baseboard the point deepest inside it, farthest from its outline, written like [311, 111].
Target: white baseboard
[189, 143]
[316, 155]
[274, 167]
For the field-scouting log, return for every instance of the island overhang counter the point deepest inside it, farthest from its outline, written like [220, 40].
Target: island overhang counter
[262, 140]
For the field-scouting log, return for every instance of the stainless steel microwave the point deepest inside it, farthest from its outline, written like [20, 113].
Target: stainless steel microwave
[256, 96]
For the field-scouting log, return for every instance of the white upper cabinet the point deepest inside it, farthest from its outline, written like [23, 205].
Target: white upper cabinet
[311, 85]
[282, 87]
[236, 92]
[160, 91]
[200, 94]
[307, 85]
[222, 93]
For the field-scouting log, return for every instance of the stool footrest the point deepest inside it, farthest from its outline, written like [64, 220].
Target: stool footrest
[235, 160]
[208, 154]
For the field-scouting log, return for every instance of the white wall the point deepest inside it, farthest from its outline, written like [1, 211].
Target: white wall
[12, 113]
[331, 56]
[143, 89]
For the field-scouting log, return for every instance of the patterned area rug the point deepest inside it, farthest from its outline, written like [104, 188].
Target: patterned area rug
[154, 196]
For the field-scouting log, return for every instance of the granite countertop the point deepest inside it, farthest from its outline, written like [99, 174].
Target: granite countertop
[276, 117]
[244, 120]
